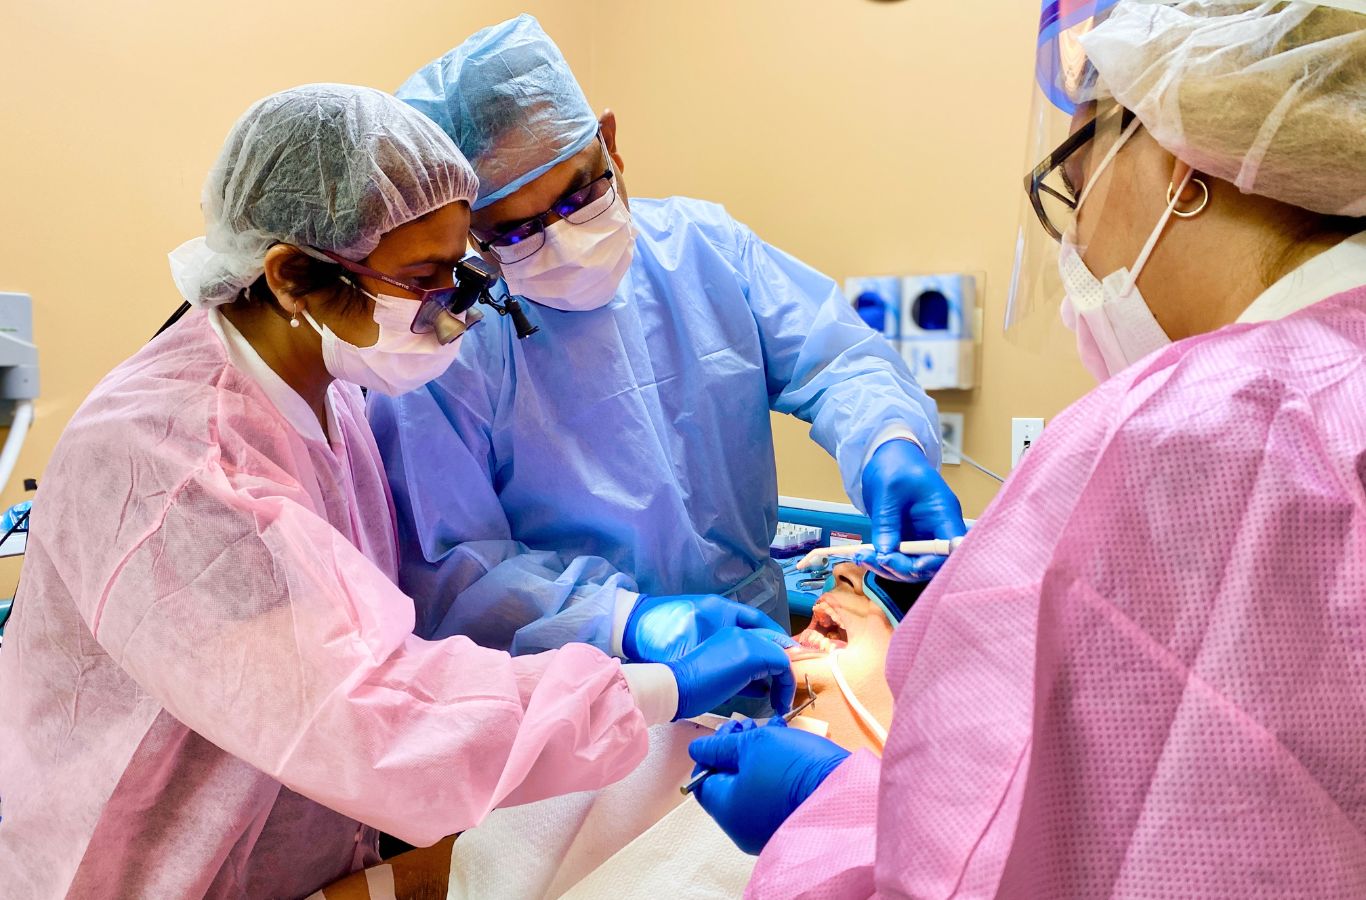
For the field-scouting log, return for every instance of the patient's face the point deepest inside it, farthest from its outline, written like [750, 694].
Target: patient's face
[845, 622]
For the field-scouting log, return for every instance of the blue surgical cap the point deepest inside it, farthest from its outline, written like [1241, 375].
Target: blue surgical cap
[508, 100]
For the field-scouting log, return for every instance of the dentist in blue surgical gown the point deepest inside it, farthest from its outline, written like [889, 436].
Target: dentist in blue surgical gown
[610, 479]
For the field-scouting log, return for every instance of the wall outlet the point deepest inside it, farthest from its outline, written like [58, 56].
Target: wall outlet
[951, 437]
[1023, 435]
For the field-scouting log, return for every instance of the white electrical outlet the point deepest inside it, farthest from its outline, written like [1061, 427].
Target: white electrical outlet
[951, 437]
[1023, 435]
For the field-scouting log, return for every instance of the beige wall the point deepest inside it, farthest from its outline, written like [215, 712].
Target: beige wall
[113, 112]
[864, 137]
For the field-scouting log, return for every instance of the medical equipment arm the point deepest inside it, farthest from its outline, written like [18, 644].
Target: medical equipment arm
[825, 366]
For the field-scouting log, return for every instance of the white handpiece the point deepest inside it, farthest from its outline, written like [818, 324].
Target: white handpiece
[910, 548]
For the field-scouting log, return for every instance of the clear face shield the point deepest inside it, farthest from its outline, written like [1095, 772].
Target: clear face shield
[1074, 135]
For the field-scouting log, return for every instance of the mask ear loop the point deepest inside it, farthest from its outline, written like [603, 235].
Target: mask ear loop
[1106, 160]
[313, 323]
[1104, 164]
[355, 286]
[1173, 197]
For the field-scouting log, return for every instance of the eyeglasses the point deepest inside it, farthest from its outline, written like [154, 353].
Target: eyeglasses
[1053, 185]
[516, 243]
[437, 308]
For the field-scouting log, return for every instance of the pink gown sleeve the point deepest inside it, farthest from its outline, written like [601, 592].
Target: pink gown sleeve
[257, 624]
[826, 848]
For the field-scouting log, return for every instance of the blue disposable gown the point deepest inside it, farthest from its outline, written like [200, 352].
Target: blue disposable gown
[629, 447]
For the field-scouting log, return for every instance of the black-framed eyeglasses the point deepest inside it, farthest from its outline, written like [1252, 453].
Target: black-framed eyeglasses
[520, 240]
[437, 308]
[1053, 187]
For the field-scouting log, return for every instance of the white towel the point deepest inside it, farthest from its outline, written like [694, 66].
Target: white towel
[684, 855]
[543, 849]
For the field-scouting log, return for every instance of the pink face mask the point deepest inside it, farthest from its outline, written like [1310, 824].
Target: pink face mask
[1087, 346]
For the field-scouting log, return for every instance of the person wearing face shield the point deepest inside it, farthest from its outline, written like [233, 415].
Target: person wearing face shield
[1140, 674]
[628, 491]
[212, 688]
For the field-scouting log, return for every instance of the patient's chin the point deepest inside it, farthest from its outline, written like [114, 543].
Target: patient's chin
[816, 670]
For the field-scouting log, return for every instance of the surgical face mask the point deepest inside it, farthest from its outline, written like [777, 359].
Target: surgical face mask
[1114, 325]
[399, 361]
[580, 266]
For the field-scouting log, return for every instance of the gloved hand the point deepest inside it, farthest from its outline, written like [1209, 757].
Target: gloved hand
[11, 516]
[907, 500]
[664, 628]
[728, 662]
[762, 774]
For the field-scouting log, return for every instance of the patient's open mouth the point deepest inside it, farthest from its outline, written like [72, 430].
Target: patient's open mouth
[826, 631]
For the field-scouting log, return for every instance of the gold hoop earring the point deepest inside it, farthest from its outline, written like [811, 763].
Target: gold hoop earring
[1204, 200]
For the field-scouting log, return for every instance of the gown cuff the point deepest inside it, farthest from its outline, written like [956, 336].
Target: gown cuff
[621, 611]
[897, 431]
[654, 689]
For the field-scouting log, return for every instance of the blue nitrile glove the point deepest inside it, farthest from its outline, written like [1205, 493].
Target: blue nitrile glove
[907, 500]
[762, 774]
[728, 662]
[664, 628]
[11, 516]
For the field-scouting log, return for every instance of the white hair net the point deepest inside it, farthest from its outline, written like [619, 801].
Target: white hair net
[1269, 96]
[507, 98]
[328, 166]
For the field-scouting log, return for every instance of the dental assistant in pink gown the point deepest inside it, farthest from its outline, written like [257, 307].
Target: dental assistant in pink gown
[1143, 673]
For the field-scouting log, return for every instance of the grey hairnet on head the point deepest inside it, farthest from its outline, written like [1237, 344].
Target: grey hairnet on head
[329, 166]
[1270, 96]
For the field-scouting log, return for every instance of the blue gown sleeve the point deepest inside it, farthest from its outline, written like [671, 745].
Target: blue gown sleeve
[825, 365]
[457, 558]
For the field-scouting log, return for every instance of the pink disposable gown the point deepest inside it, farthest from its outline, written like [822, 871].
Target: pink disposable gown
[1145, 672]
[211, 679]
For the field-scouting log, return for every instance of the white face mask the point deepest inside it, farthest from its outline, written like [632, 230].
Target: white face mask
[1114, 325]
[399, 361]
[580, 266]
